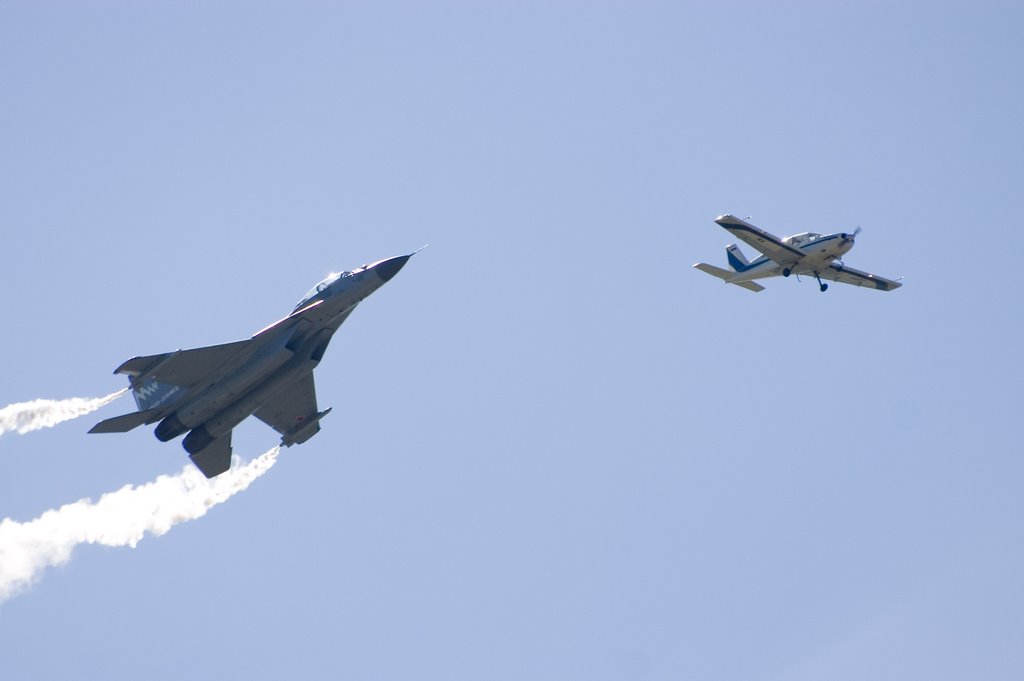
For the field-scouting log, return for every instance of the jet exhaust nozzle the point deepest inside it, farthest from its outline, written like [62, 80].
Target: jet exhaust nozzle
[170, 428]
[198, 440]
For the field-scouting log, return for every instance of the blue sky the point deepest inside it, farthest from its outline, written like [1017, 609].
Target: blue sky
[556, 450]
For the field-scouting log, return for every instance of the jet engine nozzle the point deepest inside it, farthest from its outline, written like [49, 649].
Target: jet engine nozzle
[170, 428]
[198, 440]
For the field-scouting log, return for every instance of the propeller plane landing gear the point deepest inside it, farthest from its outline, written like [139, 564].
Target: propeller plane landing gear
[786, 272]
[824, 287]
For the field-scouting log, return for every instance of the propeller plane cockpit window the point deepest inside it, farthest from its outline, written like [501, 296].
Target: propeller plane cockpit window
[801, 239]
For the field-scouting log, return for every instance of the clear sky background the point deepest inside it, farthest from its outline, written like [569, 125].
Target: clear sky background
[556, 450]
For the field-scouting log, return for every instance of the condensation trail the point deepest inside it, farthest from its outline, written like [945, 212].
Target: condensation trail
[25, 417]
[120, 518]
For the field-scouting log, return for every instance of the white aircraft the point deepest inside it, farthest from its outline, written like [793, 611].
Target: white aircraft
[807, 253]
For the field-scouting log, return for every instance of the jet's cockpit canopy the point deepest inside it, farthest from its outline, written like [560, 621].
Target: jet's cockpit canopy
[801, 239]
[320, 287]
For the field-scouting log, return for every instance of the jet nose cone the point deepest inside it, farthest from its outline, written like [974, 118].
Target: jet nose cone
[389, 268]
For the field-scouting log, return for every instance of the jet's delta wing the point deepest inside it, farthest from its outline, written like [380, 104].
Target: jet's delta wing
[159, 382]
[185, 367]
[293, 412]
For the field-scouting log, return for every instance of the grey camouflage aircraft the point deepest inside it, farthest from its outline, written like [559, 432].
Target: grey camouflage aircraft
[208, 391]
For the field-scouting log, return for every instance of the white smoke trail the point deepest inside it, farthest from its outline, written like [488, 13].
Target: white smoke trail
[25, 417]
[119, 518]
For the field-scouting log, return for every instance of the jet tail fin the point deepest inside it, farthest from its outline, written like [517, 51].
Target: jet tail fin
[726, 275]
[125, 422]
[151, 394]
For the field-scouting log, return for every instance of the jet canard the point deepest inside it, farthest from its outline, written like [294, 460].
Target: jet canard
[207, 391]
[808, 253]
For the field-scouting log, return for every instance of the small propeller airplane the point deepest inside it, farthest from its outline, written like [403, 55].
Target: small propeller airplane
[807, 253]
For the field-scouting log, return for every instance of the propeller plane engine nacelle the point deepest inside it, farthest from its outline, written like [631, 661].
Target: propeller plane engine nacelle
[847, 238]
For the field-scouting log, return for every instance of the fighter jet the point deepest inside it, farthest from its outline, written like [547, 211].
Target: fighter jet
[207, 391]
